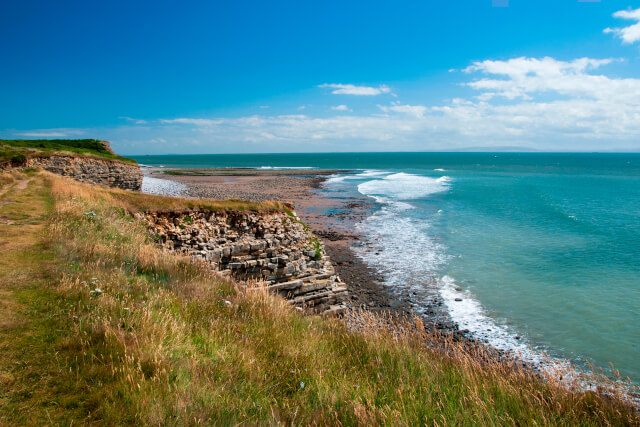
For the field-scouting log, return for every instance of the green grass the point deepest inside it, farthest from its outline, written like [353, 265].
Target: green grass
[99, 326]
[46, 147]
[316, 247]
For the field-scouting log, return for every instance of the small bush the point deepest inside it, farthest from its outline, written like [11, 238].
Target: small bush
[19, 160]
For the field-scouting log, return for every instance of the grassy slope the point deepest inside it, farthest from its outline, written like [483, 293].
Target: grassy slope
[47, 147]
[138, 202]
[97, 325]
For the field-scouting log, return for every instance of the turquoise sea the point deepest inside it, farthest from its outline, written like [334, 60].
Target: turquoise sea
[527, 250]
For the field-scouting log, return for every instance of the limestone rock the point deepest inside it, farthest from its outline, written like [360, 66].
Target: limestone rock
[94, 171]
[268, 246]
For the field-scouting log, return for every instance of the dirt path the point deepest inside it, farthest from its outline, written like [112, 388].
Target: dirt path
[24, 267]
[20, 185]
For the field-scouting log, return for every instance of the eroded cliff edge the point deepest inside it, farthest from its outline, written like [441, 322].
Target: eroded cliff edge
[273, 249]
[86, 160]
[91, 170]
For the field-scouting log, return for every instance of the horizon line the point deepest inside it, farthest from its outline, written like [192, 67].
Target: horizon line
[389, 152]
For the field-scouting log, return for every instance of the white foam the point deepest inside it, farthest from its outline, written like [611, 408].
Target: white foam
[369, 173]
[404, 186]
[469, 314]
[372, 172]
[163, 187]
[390, 232]
[393, 230]
[334, 179]
[416, 274]
[439, 170]
[286, 167]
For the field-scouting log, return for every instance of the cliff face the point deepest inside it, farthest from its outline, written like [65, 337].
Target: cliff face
[273, 247]
[95, 171]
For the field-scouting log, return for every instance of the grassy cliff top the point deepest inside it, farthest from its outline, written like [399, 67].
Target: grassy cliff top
[10, 148]
[100, 326]
[140, 202]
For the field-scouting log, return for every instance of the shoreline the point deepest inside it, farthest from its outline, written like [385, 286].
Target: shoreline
[365, 284]
[336, 229]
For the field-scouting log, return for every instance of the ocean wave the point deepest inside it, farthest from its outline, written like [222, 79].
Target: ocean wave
[404, 186]
[285, 167]
[398, 228]
[392, 231]
[372, 172]
[469, 314]
[332, 179]
[368, 173]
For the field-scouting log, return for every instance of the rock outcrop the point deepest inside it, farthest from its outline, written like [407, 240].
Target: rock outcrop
[92, 170]
[272, 247]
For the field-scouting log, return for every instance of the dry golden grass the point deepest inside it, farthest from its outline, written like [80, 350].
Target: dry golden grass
[133, 201]
[124, 333]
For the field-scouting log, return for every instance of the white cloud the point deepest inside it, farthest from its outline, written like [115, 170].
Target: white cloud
[413, 110]
[543, 103]
[630, 34]
[340, 108]
[349, 89]
[264, 106]
[526, 77]
[132, 120]
[50, 133]
[191, 121]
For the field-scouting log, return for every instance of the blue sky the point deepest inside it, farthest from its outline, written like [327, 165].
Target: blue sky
[301, 76]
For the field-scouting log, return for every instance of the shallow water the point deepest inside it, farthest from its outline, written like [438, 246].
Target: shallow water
[539, 250]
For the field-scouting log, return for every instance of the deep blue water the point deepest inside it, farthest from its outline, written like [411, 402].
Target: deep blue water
[544, 247]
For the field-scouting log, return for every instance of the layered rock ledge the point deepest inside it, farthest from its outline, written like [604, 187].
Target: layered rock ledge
[273, 249]
[91, 170]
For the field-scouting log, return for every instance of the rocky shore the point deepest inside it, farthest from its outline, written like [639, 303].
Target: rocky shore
[271, 248]
[360, 289]
[366, 289]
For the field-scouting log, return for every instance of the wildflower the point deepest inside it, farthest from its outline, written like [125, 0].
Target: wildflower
[302, 384]
[227, 302]
[96, 291]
